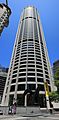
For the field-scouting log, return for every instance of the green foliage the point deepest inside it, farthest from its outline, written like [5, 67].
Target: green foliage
[54, 96]
[56, 79]
[56, 76]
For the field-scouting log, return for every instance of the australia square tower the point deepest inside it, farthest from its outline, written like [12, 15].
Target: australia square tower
[29, 68]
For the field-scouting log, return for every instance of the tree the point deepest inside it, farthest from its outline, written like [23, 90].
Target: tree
[54, 96]
[56, 79]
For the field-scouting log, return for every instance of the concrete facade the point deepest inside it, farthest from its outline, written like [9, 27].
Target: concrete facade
[29, 66]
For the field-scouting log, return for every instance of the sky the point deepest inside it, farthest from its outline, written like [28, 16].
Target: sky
[49, 15]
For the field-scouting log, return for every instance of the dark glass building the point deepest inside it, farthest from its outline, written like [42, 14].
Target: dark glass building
[3, 76]
[55, 66]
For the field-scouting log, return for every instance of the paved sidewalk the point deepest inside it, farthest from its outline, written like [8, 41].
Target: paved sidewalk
[12, 117]
[37, 117]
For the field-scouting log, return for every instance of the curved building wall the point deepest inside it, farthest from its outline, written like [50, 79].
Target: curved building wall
[29, 66]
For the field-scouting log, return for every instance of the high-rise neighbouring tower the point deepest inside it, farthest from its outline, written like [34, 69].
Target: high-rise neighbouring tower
[55, 66]
[5, 12]
[29, 66]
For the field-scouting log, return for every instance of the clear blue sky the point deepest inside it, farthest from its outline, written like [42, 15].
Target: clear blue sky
[49, 14]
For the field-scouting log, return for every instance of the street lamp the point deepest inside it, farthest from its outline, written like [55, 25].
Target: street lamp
[47, 94]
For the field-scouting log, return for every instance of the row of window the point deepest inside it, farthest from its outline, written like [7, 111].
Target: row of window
[29, 79]
[29, 86]
[29, 74]
[31, 70]
[32, 79]
[37, 66]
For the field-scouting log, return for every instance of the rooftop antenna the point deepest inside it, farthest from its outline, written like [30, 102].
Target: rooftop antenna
[7, 2]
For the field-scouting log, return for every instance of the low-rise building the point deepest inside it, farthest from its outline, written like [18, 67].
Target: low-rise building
[3, 76]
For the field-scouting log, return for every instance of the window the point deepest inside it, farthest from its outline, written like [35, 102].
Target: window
[12, 89]
[23, 62]
[31, 69]
[24, 50]
[17, 55]
[16, 58]
[44, 62]
[15, 64]
[15, 68]
[40, 79]
[22, 66]
[31, 62]
[38, 66]
[38, 70]
[24, 40]
[30, 58]
[21, 87]
[18, 50]
[23, 59]
[46, 72]
[30, 40]
[20, 101]
[24, 47]
[31, 74]
[13, 81]
[41, 87]
[45, 65]
[21, 79]
[11, 99]
[22, 74]
[47, 76]
[38, 59]
[39, 74]
[31, 79]
[30, 52]
[31, 65]
[23, 53]
[22, 70]
[38, 56]
[14, 75]
[45, 68]
[16, 61]
[37, 52]
[15, 71]
[29, 55]
[49, 88]
[23, 56]
[48, 81]
[6, 89]
[38, 63]
[31, 86]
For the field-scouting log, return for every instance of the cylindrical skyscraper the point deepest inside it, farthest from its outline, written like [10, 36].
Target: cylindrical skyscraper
[29, 67]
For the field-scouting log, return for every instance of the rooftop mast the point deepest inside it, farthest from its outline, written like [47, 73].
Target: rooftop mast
[7, 2]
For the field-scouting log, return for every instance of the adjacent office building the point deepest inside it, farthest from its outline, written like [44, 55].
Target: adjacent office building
[5, 12]
[3, 77]
[55, 66]
[29, 66]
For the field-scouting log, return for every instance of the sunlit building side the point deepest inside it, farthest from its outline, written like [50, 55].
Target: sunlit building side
[29, 67]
